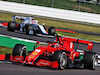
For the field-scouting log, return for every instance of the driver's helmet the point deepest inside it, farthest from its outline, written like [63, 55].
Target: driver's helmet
[54, 44]
[36, 21]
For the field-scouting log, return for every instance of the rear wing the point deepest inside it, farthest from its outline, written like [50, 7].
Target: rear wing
[77, 43]
[81, 44]
[17, 17]
[88, 43]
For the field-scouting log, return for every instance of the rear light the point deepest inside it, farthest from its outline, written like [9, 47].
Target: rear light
[84, 52]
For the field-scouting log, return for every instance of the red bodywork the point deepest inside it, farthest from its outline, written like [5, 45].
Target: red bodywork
[66, 44]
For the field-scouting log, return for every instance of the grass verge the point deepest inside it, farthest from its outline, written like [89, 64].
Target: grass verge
[81, 36]
[5, 50]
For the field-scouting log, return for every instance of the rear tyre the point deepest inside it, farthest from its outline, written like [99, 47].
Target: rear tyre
[19, 50]
[51, 31]
[11, 26]
[90, 60]
[61, 57]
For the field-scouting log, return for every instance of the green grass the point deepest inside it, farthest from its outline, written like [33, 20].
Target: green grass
[5, 50]
[66, 25]
[72, 26]
[63, 4]
[5, 17]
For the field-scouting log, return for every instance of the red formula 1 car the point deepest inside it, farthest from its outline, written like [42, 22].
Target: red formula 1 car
[59, 54]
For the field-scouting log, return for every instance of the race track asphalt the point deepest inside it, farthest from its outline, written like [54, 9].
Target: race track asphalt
[19, 69]
[23, 35]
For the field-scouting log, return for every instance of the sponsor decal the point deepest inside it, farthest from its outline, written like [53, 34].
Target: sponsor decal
[37, 50]
[34, 53]
[29, 62]
[44, 63]
[18, 58]
[31, 56]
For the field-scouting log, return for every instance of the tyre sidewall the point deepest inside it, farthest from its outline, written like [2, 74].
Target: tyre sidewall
[58, 56]
[19, 50]
[11, 26]
[51, 31]
[89, 60]
[30, 28]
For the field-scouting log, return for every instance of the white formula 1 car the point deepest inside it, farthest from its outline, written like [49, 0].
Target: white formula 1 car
[28, 25]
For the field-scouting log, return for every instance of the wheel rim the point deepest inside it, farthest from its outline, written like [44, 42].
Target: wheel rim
[31, 32]
[95, 64]
[95, 61]
[63, 61]
[23, 52]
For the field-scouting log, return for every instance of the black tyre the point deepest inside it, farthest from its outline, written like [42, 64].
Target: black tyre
[11, 26]
[29, 30]
[19, 50]
[51, 31]
[61, 57]
[90, 60]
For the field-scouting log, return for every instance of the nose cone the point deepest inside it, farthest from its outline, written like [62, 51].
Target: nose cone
[29, 61]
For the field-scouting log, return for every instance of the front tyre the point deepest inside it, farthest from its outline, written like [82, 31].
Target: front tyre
[19, 50]
[90, 60]
[29, 30]
[51, 31]
[61, 57]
